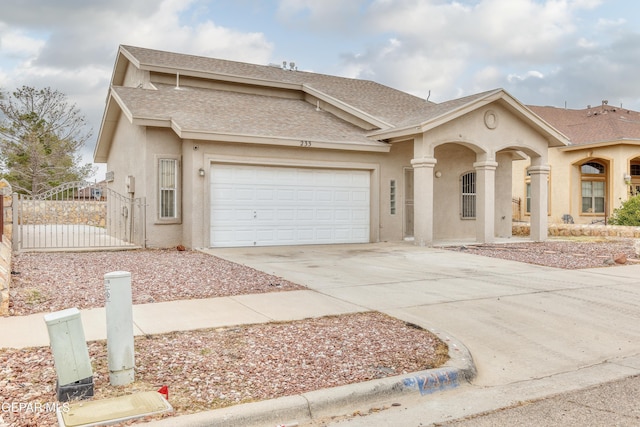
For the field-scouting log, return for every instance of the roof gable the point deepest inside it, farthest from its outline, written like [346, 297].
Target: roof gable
[451, 110]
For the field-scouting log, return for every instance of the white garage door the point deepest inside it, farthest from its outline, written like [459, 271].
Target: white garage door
[263, 206]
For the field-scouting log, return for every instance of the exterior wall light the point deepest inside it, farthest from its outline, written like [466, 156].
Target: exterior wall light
[627, 178]
[201, 172]
[438, 174]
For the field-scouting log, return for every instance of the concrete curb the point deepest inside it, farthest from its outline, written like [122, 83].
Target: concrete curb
[335, 401]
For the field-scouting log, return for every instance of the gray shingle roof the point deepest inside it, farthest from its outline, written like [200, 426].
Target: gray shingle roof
[592, 125]
[218, 111]
[388, 104]
[211, 110]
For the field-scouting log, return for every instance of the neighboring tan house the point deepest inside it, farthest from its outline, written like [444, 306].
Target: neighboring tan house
[594, 174]
[236, 154]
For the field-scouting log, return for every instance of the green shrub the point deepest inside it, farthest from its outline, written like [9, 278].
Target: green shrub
[628, 213]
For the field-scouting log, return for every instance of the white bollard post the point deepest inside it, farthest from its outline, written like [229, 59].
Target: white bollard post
[119, 311]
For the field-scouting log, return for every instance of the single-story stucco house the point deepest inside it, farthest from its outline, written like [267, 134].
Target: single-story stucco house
[593, 175]
[236, 154]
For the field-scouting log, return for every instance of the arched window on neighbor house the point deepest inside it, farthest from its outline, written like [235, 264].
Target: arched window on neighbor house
[468, 194]
[594, 183]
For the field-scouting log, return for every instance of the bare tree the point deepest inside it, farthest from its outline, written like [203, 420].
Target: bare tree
[40, 139]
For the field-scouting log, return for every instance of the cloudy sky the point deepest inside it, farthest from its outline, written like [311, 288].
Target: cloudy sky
[544, 52]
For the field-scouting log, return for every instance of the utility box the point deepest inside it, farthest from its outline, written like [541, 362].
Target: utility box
[119, 312]
[70, 354]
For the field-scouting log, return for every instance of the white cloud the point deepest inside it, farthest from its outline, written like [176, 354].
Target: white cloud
[405, 67]
[528, 75]
[71, 47]
[17, 43]
[325, 16]
[608, 24]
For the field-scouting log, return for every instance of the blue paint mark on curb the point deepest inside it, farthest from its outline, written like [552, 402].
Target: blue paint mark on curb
[436, 381]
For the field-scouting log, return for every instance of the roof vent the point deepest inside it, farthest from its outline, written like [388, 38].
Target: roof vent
[292, 66]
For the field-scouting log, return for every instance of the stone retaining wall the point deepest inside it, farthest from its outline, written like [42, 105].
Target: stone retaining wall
[90, 212]
[596, 230]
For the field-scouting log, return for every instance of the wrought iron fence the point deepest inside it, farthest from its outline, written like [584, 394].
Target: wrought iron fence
[78, 215]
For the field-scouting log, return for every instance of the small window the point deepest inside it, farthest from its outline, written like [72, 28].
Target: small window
[468, 191]
[635, 170]
[168, 187]
[392, 197]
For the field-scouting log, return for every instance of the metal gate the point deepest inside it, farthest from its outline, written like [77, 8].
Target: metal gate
[78, 215]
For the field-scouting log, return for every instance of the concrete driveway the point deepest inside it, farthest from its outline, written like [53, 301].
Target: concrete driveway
[519, 321]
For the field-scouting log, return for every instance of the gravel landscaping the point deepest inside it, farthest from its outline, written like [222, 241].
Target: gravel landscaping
[204, 369]
[214, 368]
[210, 369]
[567, 253]
[45, 282]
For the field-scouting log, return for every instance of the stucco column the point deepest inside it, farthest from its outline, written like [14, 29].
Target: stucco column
[485, 200]
[423, 200]
[539, 177]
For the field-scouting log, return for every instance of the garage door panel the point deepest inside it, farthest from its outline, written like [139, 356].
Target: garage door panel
[286, 214]
[360, 196]
[305, 234]
[304, 195]
[343, 215]
[232, 215]
[286, 195]
[343, 233]
[264, 205]
[324, 215]
[360, 215]
[305, 214]
[360, 233]
[223, 194]
[265, 194]
[324, 196]
[324, 234]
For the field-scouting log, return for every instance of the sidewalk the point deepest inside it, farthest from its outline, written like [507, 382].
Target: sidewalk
[185, 315]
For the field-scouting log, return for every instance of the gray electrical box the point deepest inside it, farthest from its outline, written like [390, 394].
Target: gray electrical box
[68, 345]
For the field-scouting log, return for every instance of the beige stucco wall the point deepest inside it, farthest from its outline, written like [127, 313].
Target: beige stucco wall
[136, 150]
[457, 145]
[161, 143]
[383, 167]
[453, 161]
[565, 179]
